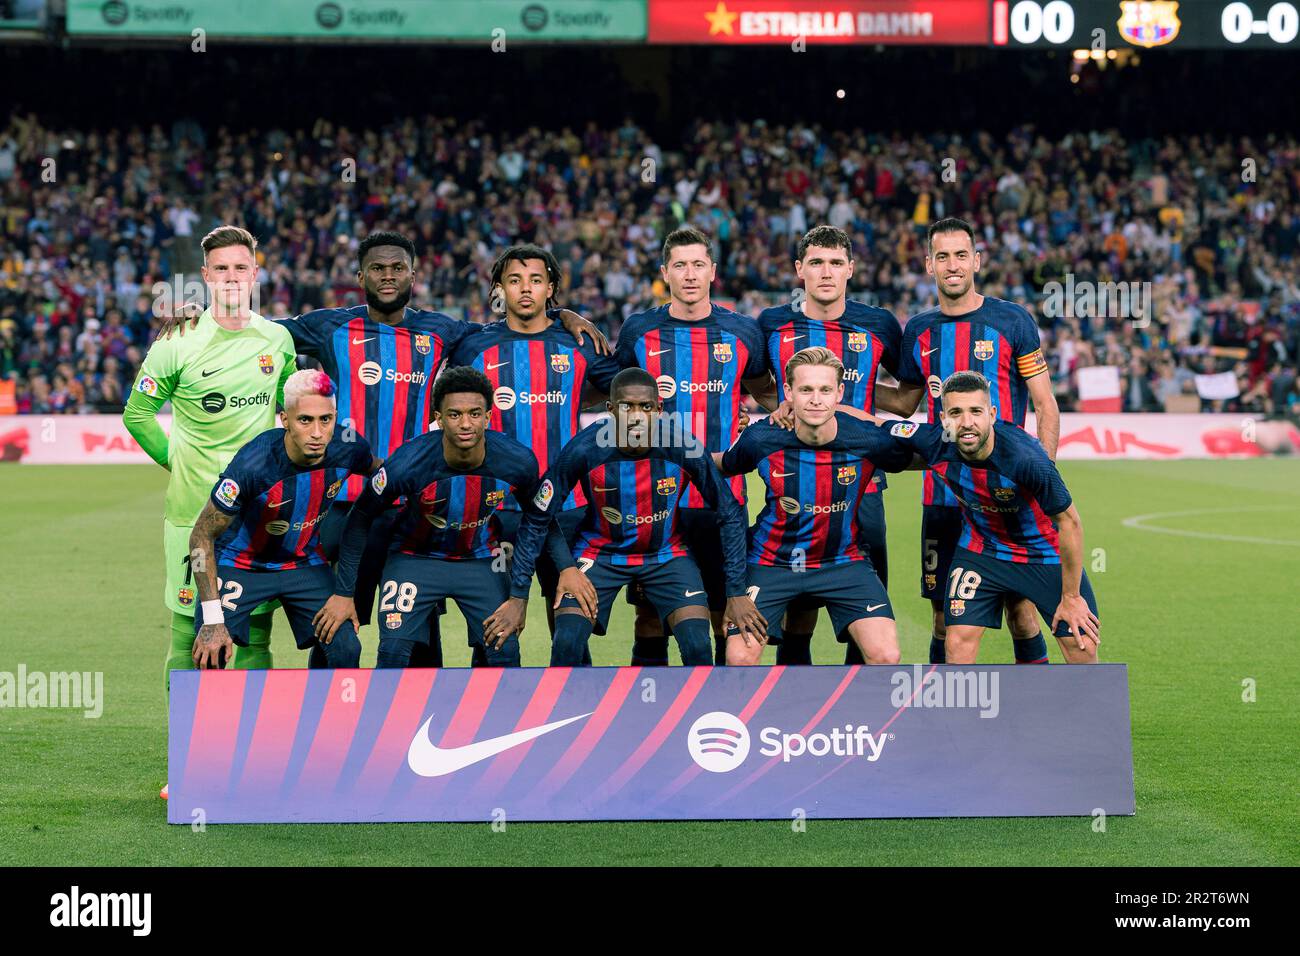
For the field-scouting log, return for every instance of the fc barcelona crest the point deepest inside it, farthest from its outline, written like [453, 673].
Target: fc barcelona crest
[722, 351]
[560, 362]
[267, 364]
[423, 343]
[1004, 494]
[847, 474]
[1148, 23]
[495, 498]
[983, 349]
[956, 607]
[857, 341]
[666, 486]
[334, 489]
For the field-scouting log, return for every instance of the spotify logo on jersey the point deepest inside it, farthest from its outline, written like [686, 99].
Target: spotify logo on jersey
[504, 398]
[277, 528]
[667, 386]
[612, 515]
[370, 373]
[789, 505]
[213, 402]
[936, 385]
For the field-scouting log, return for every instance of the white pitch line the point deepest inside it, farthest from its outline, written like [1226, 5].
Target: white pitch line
[1137, 521]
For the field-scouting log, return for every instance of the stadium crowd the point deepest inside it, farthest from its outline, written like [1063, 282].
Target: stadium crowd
[91, 221]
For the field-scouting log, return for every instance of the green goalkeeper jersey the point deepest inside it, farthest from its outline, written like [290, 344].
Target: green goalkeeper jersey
[224, 388]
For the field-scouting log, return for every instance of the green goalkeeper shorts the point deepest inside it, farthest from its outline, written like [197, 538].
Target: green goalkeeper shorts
[181, 592]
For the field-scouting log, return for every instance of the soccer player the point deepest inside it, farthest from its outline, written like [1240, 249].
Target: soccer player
[224, 381]
[541, 380]
[805, 543]
[864, 338]
[999, 339]
[1021, 538]
[700, 356]
[257, 539]
[635, 474]
[444, 539]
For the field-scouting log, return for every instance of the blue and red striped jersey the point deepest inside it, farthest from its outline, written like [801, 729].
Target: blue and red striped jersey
[999, 340]
[1006, 500]
[631, 517]
[810, 517]
[864, 338]
[699, 366]
[449, 512]
[537, 382]
[384, 373]
[278, 505]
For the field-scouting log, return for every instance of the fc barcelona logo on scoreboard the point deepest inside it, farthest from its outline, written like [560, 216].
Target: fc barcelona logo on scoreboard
[560, 362]
[857, 341]
[267, 364]
[984, 349]
[423, 343]
[1149, 23]
[666, 486]
[722, 351]
[847, 474]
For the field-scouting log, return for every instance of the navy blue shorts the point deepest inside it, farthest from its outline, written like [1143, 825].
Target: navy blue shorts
[871, 545]
[413, 586]
[849, 592]
[301, 592]
[371, 568]
[940, 532]
[548, 575]
[699, 530]
[980, 586]
[674, 584]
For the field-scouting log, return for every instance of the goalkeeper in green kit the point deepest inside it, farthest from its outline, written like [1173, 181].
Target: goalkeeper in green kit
[224, 381]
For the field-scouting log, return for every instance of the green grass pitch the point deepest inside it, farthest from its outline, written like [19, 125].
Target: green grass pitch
[1193, 614]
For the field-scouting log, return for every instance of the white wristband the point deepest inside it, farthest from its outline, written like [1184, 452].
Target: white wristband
[212, 613]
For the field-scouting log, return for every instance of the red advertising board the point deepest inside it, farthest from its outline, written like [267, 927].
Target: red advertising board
[957, 22]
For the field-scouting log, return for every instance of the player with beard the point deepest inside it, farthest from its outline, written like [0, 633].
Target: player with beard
[999, 339]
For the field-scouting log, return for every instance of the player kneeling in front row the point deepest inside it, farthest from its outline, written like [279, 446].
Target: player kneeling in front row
[257, 537]
[1021, 536]
[447, 538]
[805, 542]
[634, 480]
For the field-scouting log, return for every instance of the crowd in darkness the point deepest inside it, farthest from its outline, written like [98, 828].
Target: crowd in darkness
[92, 220]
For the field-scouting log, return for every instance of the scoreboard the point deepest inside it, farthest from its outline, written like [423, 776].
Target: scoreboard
[1190, 24]
[1070, 24]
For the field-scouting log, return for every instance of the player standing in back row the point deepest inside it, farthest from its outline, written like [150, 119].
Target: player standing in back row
[700, 356]
[224, 381]
[864, 339]
[999, 339]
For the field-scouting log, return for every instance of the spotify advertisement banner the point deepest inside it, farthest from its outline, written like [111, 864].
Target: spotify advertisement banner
[667, 743]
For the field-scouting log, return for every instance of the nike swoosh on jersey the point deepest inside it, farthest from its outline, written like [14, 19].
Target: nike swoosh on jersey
[792, 338]
[276, 504]
[490, 366]
[874, 607]
[653, 353]
[928, 351]
[213, 371]
[429, 760]
[598, 488]
[782, 474]
[363, 341]
[693, 593]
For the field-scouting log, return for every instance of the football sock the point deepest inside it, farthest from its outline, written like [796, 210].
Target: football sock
[257, 655]
[180, 655]
[936, 650]
[1031, 650]
[569, 647]
[794, 649]
[646, 651]
[692, 636]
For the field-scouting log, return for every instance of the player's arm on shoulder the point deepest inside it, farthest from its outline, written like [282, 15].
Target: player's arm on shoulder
[902, 399]
[579, 328]
[739, 458]
[304, 329]
[763, 388]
